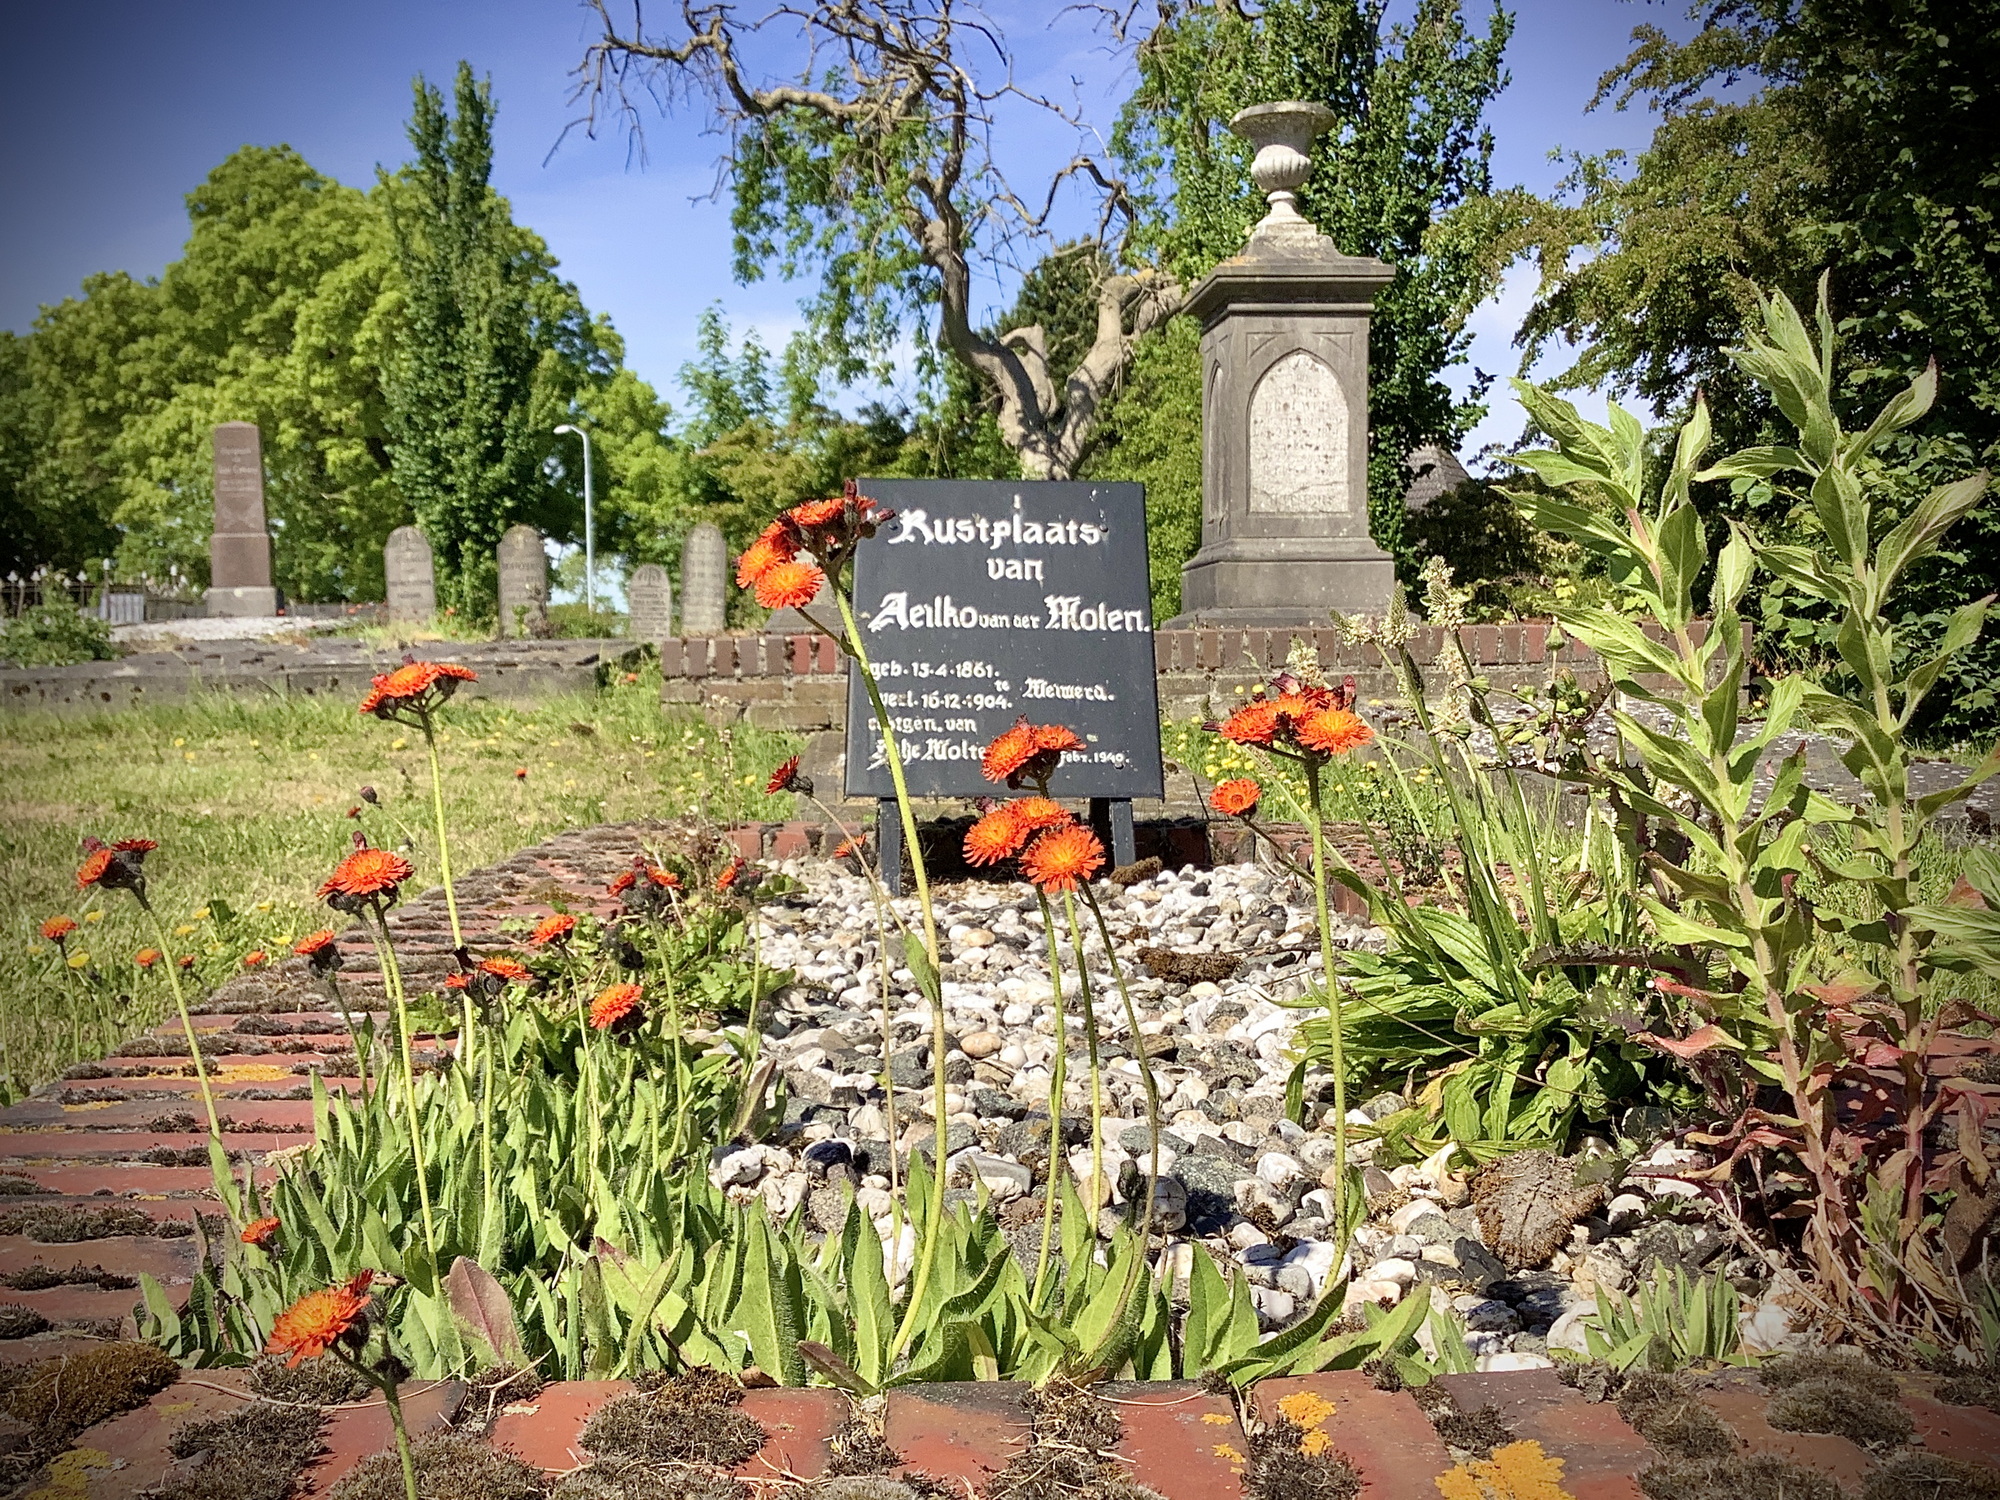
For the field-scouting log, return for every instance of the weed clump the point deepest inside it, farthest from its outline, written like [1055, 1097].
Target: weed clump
[1972, 1388]
[1289, 1462]
[41, 1278]
[316, 1382]
[1070, 1457]
[61, 1397]
[1929, 1476]
[1664, 1410]
[1756, 1476]
[18, 1322]
[449, 1467]
[253, 1453]
[857, 1487]
[1841, 1394]
[67, 1224]
[638, 1481]
[1189, 968]
[859, 1450]
[687, 1418]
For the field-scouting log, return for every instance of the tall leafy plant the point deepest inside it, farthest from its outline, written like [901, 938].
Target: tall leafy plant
[1841, 1014]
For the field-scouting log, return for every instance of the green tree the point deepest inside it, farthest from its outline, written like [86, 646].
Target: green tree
[492, 350]
[1798, 138]
[1404, 174]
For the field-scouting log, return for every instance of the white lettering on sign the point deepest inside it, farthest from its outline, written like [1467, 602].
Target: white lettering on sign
[916, 525]
[1069, 612]
[1028, 568]
[1040, 687]
[939, 613]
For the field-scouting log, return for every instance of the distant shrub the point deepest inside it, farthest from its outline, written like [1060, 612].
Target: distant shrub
[55, 635]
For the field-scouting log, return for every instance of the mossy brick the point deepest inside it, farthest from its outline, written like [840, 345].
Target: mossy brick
[542, 1430]
[108, 1182]
[358, 1431]
[83, 1304]
[800, 1424]
[1971, 1433]
[1601, 1454]
[169, 1261]
[1383, 1434]
[119, 1145]
[1179, 1439]
[959, 1432]
[127, 1455]
[1741, 1404]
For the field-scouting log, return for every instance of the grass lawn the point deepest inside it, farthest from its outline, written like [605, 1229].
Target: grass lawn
[250, 798]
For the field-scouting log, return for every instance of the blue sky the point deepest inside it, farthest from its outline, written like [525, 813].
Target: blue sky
[113, 111]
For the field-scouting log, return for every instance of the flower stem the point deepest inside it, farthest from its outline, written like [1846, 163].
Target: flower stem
[387, 1382]
[1098, 1195]
[1058, 1081]
[444, 844]
[187, 1022]
[1336, 1030]
[392, 984]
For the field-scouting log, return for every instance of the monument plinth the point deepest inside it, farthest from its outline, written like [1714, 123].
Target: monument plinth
[239, 549]
[1284, 363]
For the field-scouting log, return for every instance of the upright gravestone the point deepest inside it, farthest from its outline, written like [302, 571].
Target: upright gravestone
[1284, 427]
[704, 581]
[239, 549]
[649, 597]
[409, 576]
[524, 582]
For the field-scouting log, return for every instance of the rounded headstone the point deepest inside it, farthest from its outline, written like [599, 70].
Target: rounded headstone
[409, 577]
[704, 581]
[649, 597]
[524, 581]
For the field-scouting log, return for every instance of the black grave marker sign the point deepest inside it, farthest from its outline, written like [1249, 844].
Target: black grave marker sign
[985, 600]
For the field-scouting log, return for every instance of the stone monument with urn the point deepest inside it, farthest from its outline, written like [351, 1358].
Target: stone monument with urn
[1284, 369]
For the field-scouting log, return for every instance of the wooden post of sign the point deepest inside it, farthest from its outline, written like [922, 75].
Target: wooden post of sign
[1111, 820]
[889, 844]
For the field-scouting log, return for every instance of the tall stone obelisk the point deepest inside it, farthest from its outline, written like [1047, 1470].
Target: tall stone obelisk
[239, 549]
[1284, 367]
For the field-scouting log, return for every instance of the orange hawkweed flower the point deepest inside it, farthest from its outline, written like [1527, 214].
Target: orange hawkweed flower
[520, 773]
[506, 969]
[1059, 738]
[145, 958]
[851, 848]
[997, 836]
[367, 872]
[96, 865]
[666, 880]
[1236, 799]
[787, 779]
[185, 961]
[1036, 813]
[256, 958]
[1255, 723]
[622, 882]
[259, 1232]
[417, 687]
[319, 1320]
[775, 544]
[1333, 731]
[809, 515]
[140, 847]
[314, 943]
[56, 929]
[552, 929]
[1011, 749]
[617, 1004]
[789, 585]
[458, 981]
[731, 873]
[1062, 859]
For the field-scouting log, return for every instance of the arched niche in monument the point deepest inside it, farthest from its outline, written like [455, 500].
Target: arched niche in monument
[1298, 439]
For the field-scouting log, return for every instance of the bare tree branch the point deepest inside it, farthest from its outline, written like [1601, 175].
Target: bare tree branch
[891, 79]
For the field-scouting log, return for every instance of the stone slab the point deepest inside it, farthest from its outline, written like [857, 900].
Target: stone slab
[959, 1432]
[1384, 1434]
[542, 1431]
[358, 1431]
[1179, 1439]
[1601, 1454]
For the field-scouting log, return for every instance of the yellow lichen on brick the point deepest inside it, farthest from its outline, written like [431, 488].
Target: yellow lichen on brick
[1217, 1418]
[1315, 1442]
[1226, 1452]
[251, 1073]
[1517, 1471]
[69, 1476]
[1304, 1409]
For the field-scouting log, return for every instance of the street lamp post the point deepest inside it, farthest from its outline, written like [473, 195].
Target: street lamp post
[589, 524]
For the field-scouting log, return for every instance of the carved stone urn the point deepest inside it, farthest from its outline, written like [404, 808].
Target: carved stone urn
[1283, 134]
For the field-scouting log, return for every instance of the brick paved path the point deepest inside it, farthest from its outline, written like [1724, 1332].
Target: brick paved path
[95, 1175]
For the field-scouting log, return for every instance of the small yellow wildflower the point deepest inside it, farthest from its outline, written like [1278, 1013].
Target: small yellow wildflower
[79, 960]
[178, 743]
[399, 743]
[93, 916]
[201, 914]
